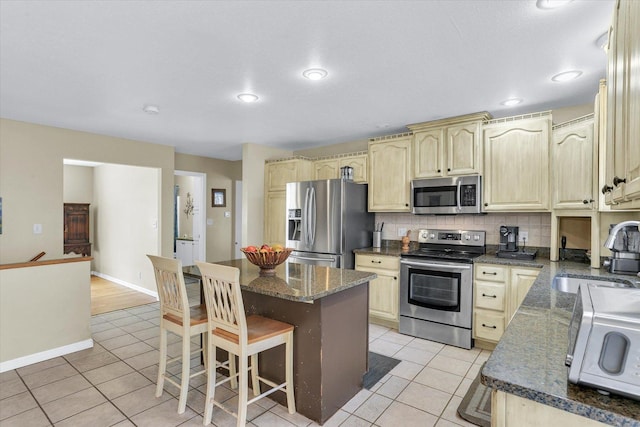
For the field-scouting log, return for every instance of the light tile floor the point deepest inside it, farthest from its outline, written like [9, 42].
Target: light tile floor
[113, 384]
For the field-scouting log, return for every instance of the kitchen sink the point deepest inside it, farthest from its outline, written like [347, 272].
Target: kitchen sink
[571, 284]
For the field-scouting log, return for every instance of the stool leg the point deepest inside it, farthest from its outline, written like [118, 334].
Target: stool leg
[211, 385]
[186, 365]
[232, 371]
[242, 390]
[255, 384]
[162, 364]
[291, 403]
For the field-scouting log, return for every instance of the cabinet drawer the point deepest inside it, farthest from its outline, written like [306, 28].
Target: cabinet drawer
[377, 261]
[488, 326]
[493, 273]
[489, 295]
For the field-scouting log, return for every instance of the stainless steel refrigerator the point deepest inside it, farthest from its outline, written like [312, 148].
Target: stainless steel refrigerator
[326, 221]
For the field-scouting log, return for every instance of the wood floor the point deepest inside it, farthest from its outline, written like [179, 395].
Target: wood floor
[108, 296]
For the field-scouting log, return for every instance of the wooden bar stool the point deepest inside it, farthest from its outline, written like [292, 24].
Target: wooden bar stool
[243, 336]
[178, 317]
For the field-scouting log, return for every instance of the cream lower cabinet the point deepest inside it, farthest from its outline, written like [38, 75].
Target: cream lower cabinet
[516, 163]
[498, 292]
[574, 167]
[390, 174]
[384, 291]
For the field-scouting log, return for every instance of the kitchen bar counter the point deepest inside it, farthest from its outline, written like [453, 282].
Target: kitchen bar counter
[329, 308]
[529, 359]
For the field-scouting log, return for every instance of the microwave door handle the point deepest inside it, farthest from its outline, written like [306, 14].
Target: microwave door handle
[459, 195]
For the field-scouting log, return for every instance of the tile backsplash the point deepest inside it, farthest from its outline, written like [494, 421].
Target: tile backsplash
[538, 225]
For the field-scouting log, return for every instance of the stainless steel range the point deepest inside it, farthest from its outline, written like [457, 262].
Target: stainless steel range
[436, 286]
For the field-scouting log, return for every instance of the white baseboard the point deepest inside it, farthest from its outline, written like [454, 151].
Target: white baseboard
[127, 284]
[45, 355]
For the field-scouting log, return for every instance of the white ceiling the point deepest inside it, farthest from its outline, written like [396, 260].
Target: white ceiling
[92, 65]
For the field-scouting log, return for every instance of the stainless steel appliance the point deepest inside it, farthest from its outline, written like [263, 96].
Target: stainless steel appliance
[604, 340]
[624, 242]
[509, 238]
[447, 196]
[436, 286]
[326, 221]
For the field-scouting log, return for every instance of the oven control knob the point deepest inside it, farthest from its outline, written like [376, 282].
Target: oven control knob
[432, 236]
[467, 237]
[476, 237]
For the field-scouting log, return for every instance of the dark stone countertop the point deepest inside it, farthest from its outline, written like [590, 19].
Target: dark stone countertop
[295, 282]
[529, 359]
[387, 248]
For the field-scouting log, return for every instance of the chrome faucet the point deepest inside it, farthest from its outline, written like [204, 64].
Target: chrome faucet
[611, 240]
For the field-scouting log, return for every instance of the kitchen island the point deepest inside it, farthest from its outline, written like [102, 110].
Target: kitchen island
[329, 308]
[526, 370]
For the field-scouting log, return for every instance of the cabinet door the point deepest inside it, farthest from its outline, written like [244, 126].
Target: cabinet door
[275, 217]
[383, 294]
[463, 149]
[278, 174]
[76, 223]
[632, 62]
[390, 176]
[428, 153]
[573, 171]
[516, 165]
[326, 169]
[359, 165]
[520, 282]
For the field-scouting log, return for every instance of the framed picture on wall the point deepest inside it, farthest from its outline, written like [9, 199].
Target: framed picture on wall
[218, 198]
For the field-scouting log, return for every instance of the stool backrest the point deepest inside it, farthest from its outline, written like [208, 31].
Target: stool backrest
[223, 298]
[171, 288]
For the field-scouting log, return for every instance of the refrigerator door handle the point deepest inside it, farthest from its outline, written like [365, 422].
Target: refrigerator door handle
[305, 219]
[312, 217]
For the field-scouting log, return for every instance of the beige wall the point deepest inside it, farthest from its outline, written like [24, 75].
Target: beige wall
[43, 308]
[330, 150]
[31, 183]
[220, 174]
[126, 203]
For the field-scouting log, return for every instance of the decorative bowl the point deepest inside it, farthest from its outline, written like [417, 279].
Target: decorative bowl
[267, 260]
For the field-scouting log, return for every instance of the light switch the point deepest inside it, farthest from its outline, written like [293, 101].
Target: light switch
[37, 228]
[227, 214]
[209, 221]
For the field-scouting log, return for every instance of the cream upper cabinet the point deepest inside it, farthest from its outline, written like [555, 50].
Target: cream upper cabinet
[516, 163]
[359, 164]
[330, 168]
[326, 169]
[390, 174]
[574, 169]
[623, 107]
[428, 153]
[279, 173]
[448, 147]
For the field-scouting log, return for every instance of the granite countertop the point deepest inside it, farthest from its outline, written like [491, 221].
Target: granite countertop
[529, 359]
[295, 282]
[387, 248]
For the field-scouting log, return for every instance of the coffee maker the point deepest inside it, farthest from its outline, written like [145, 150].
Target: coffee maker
[624, 243]
[508, 238]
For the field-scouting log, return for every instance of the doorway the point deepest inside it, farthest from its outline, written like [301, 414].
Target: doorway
[190, 215]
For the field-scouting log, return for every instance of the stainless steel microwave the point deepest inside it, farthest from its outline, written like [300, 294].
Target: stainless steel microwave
[447, 196]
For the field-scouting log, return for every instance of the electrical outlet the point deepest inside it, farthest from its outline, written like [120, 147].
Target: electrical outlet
[523, 236]
[402, 232]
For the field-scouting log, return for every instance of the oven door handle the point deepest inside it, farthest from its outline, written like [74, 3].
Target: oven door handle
[456, 267]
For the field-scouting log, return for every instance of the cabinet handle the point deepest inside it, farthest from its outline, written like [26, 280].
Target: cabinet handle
[438, 170]
[489, 296]
[489, 326]
[586, 202]
[448, 169]
[376, 262]
[395, 278]
[617, 181]
[606, 189]
[486, 204]
[406, 204]
[491, 274]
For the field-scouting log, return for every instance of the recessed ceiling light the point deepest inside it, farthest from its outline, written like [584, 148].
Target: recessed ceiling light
[248, 97]
[603, 40]
[511, 102]
[315, 73]
[551, 4]
[151, 109]
[566, 76]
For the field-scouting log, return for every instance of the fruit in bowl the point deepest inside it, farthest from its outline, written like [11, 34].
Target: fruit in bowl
[266, 257]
